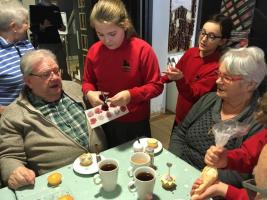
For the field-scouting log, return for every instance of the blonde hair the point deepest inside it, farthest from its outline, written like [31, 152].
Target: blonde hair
[261, 112]
[112, 11]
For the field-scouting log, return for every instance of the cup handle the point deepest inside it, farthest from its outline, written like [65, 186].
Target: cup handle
[97, 180]
[130, 171]
[131, 186]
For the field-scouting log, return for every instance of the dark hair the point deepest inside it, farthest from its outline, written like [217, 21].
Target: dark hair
[225, 23]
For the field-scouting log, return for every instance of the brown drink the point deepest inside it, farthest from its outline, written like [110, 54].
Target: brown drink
[108, 167]
[144, 176]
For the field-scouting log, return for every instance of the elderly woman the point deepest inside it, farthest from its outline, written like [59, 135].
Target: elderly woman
[240, 73]
[250, 157]
[13, 44]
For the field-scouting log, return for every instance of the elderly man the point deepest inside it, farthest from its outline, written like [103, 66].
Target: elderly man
[46, 127]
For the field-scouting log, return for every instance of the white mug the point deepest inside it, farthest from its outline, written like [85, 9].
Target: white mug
[138, 159]
[108, 174]
[143, 183]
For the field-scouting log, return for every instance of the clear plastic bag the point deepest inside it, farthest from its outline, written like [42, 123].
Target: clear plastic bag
[226, 130]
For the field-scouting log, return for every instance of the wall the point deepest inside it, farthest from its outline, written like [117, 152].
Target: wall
[160, 30]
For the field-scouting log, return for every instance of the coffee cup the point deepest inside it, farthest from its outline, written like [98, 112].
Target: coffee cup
[108, 174]
[143, 183]
[138, 159]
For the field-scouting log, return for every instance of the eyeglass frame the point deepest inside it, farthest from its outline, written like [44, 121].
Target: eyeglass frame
[228, 78]
[252, 187]
[210, 36]
[47, 74]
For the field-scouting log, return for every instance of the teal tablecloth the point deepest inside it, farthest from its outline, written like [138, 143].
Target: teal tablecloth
[81, 187]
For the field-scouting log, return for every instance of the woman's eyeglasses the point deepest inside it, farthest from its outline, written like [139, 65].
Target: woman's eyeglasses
[210, 36]
[227, 78]
[47, 74]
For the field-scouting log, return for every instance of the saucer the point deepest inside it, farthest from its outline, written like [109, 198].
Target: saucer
[91, 169]
[143, 141]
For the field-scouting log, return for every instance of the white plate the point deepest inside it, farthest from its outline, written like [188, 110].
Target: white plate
[91, 169]
[143, 141]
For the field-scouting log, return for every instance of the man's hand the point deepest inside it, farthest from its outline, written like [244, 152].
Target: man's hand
[21, 176]
[46, 23]
[120, 99]
[216, 157]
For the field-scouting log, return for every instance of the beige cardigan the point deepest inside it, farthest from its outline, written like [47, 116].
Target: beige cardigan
[28, 138]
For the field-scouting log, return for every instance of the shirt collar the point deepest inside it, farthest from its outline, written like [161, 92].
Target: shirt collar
[4, 44]
[214, 56]
[37, 101]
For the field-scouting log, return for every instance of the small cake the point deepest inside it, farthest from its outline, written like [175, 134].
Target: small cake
[66, 197]
[168, 182]
[86, 159]
[152, 142]
[54, 179]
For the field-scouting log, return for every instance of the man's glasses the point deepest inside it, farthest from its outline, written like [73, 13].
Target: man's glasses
[210, 36]
[227, 78]
[47, 74]
[252, 189]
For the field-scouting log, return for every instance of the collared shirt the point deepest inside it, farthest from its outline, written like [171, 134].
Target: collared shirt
[11, 81]
[66, 114]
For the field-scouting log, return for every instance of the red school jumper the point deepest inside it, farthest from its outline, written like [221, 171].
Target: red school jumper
[199, 79]
[133, 66]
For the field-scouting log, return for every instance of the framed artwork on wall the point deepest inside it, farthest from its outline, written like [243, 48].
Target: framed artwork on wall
[182, 25]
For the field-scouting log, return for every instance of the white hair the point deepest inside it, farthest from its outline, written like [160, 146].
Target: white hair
[29, 59]
[11, 11]
[248, 62]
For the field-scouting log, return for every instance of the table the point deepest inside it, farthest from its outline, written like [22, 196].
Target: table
[83, 188]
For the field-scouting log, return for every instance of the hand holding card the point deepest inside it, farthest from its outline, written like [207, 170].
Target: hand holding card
[100, 115]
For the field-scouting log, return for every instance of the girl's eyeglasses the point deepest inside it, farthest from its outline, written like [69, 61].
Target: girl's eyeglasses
[210, 36]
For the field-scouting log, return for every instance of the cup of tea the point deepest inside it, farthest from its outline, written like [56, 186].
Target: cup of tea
[107, 174]
[138, 159]
[143, 183]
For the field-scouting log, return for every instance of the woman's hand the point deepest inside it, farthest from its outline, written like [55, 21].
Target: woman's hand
[94, 98]
[173, 73]
[21, 176]
[216, 157]
[120, 99]
[217, 189]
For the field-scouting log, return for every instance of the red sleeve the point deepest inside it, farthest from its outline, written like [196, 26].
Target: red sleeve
[89, 78]
[236, 194]
[150, 71]
[245, 158]
[192, 91]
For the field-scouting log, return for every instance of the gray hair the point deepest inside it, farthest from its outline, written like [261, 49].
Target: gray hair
[11, 11]
[31, 58]
[248, 62]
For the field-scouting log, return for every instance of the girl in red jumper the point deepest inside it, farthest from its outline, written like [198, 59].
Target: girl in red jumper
[124, 67]
[195, 72]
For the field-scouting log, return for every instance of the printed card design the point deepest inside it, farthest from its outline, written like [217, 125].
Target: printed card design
[104, 113]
